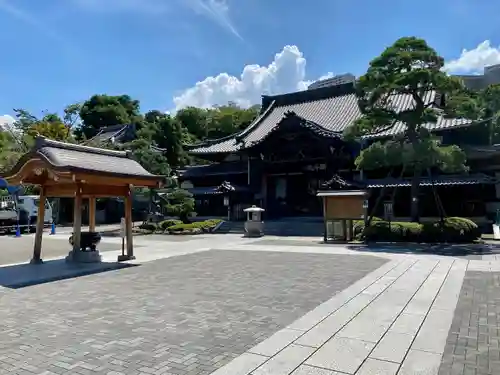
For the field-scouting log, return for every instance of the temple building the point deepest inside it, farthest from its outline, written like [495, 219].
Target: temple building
[295, 147]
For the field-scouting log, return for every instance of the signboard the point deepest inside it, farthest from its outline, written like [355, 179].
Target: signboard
[387, 210]
[226, 201]
[123, 228]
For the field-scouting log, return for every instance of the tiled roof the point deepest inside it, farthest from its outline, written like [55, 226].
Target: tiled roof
[214, 169]
[118, 134]
[107, 133]
[473, 179]
[215, 190]
[71, 157]
[332, 108]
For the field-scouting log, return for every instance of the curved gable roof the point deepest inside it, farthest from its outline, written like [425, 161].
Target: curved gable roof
[76, 158]
[333, 108]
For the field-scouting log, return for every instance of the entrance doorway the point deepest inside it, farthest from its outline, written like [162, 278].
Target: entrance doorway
[292, 195]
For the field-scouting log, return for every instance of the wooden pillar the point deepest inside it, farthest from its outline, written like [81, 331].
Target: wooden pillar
[92, 214]
[37, 250]
[128, 226]
[325, 222]
[77, 220]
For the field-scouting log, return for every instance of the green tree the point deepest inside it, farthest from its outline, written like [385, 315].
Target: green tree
[50, 126]
[195, 121]
[216, 122]
[10, 151]
[411, 69]
[229, 119]
[481, 106]
[24, 120]
[105, 110]
[152, 160]
[180, 203]
[72, 115]
[167, 133]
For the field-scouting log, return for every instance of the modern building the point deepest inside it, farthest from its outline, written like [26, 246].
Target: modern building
[295, 147]
[490, 76]
[334, 81]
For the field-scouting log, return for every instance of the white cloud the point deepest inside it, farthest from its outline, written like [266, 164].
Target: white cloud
[474, 60]
[215, 10]
[6, 122]
[286, 73]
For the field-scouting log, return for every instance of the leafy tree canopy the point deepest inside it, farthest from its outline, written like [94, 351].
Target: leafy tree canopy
[216, 122]
[105, 110]
[408, 72]
[483, 105]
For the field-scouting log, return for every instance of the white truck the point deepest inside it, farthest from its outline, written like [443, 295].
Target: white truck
[30, 204]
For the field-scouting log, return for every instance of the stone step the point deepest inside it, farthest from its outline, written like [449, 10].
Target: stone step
[278, 228]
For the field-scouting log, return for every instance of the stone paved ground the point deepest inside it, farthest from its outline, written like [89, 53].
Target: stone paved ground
[17, 250]
[473, 344]
[469, 252]
[185, 315]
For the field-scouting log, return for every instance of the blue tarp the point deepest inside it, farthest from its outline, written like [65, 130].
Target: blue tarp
[10, 189]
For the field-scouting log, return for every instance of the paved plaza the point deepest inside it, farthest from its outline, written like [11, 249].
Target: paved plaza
[225, 305]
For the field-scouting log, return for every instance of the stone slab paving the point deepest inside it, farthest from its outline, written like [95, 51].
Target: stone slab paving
[17, 250]
[393, 321]
[473, 342]
[186, 315]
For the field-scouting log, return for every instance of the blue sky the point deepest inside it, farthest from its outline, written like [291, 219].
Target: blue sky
[58, 52]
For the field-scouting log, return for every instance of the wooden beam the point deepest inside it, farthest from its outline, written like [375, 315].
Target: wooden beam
[128, 226]
[92, 214]
[77, 221]
[87, 191]
[37, 249]
[103, 179]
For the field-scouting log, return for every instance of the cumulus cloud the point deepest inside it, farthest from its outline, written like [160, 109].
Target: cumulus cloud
[286, 73]
[473, 61]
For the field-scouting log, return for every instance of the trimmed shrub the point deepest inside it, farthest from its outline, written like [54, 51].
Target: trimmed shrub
[385, 231]
[165, 224]
[197, 226]
[453, 229]
[150, 227]
[358, 226]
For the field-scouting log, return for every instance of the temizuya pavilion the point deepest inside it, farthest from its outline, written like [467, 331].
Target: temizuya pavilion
[69, 170]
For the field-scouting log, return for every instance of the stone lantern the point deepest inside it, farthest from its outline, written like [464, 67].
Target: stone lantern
[254, 225]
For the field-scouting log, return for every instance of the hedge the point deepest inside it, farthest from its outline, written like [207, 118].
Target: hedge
[150, 227]
[165, 224]
[453, 229]
[196, 227]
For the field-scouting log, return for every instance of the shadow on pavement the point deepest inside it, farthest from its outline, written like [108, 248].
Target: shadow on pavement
[455, 250]
[24, 275]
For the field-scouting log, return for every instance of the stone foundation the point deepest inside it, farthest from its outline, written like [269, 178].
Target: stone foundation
[84, 256]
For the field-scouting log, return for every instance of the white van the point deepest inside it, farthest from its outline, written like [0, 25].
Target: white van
[30, 204]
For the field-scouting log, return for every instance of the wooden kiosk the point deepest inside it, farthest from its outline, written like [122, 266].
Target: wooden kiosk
[69, 170]
[340, 209]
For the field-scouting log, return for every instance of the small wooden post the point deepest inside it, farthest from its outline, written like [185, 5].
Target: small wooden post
[37, 250]
[128, 226]
[325, 220]
[92, 214]
[77, 220]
